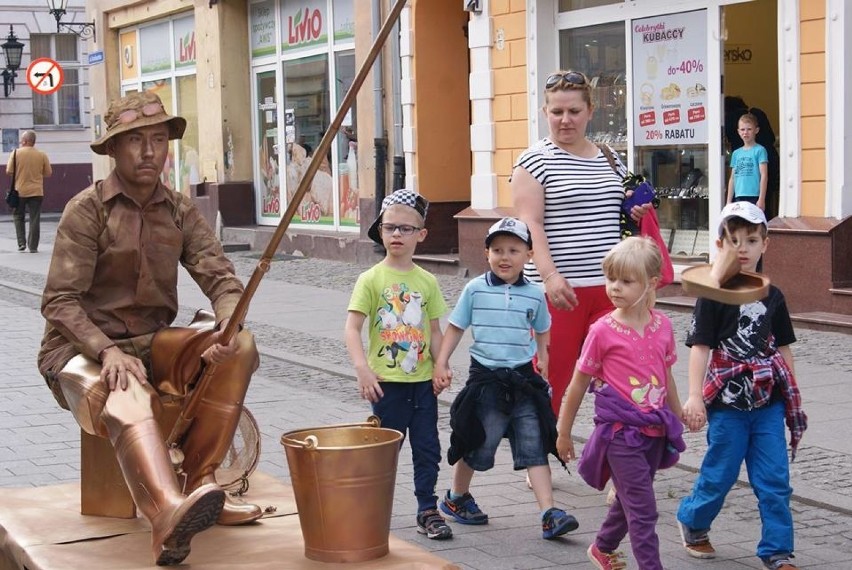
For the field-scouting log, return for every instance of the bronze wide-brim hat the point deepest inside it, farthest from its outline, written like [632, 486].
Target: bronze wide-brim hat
[135, 111]
[742, 288]
[725, 281]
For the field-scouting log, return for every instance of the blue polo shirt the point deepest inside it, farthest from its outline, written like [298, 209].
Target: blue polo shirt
[502, 318]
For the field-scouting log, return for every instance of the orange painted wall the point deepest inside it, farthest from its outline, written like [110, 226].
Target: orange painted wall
[441, 100]
[812, 92]
[510, 91]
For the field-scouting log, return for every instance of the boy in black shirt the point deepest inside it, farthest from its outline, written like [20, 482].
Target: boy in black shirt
[749, 388]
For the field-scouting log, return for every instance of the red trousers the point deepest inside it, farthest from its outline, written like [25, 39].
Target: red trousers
[568, 330]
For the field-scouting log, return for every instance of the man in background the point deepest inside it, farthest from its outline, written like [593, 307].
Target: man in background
[30, 167]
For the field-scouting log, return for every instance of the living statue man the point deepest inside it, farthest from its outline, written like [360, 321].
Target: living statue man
[112, 286]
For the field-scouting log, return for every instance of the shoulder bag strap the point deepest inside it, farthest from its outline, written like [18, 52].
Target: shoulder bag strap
[14, 167]
[609, 157]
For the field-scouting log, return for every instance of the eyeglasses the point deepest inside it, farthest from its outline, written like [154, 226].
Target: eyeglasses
[130, 115]
[570, 77]
[404, 229]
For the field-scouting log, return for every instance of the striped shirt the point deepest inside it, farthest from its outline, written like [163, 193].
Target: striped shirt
[582, 200]
[502, 318]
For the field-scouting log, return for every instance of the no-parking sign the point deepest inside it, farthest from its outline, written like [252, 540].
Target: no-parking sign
[45, 76]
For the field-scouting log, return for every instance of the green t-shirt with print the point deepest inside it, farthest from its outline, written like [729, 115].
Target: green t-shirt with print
[399, 307]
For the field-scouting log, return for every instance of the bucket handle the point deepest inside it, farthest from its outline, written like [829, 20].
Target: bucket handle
[311, 442]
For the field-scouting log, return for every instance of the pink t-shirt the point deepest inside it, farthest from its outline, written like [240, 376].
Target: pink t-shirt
[635, 366]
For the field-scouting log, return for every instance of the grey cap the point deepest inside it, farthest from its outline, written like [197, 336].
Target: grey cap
[511, 227]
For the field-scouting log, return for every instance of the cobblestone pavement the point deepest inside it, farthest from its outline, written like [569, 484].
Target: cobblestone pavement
[39, 443]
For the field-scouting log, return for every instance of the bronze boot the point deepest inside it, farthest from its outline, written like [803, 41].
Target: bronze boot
[205, 445]
[149, 474]
[216, 421]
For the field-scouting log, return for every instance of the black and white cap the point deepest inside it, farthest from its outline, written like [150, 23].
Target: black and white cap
[404, 197]
[511, 227]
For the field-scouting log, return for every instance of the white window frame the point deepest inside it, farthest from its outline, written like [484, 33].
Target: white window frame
[67, 65]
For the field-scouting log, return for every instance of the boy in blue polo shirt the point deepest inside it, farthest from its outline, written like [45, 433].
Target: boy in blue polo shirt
[504, 393]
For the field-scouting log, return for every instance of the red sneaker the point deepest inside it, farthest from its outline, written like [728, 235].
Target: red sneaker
[606, 560]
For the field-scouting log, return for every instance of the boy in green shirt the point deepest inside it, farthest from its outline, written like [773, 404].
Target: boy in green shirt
[402, 304]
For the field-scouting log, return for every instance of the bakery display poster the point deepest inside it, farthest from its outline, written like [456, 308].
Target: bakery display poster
[670, 79]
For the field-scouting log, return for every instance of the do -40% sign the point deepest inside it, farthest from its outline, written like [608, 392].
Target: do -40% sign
[687, 66]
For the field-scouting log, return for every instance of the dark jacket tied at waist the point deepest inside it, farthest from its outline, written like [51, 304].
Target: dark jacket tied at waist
[468, 433]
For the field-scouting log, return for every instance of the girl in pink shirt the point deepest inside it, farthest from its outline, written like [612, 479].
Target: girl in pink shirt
[629, 354]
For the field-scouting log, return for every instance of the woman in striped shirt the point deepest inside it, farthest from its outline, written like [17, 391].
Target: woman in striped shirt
[570, 197]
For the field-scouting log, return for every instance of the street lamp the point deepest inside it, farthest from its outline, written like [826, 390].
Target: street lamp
[57, 8]
[12, 49]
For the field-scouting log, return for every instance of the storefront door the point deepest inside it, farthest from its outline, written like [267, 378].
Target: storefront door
[268, 161]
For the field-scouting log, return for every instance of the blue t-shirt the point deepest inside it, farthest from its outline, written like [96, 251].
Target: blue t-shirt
[745, 163]
[502, 318]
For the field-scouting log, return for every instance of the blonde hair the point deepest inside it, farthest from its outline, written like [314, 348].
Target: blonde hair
[634, 257]
[562, 85]
[749, 118]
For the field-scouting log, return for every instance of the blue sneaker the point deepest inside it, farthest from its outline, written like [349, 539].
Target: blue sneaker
[557, 522]
[463, 510]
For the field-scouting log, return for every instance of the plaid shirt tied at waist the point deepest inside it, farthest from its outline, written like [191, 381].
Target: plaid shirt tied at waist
[766, 372]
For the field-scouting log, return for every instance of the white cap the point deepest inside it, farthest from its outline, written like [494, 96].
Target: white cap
[745, 210]
[509, 226]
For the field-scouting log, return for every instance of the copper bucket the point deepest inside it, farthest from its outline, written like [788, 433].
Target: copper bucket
[343, 478]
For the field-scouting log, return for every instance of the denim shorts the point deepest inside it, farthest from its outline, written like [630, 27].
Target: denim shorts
[521, 426]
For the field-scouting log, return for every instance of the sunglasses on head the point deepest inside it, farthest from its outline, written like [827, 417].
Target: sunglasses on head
[569, 77]
[130, 115]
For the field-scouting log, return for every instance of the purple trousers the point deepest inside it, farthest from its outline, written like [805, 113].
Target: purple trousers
[635, 510]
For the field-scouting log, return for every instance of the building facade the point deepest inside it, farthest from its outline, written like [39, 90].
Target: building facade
[664, 74]
[456, 95]
[61, 119]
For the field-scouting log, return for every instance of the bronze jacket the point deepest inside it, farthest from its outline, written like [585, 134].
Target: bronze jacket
[114, 272]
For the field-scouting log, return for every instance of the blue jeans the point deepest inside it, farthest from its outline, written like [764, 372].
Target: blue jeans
[412, 408]
[758, 438]
[521, 426]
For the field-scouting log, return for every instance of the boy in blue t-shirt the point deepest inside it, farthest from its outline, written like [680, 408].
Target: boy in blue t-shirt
[402, 305]
[509, 321]
[749, 166]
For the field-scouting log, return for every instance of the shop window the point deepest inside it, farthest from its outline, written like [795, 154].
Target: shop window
[154, 52]
[347, 142]
[267, 155]
[163, 89]
[189, 161]
[62, 107]
[262, 28]
[344, 21]
[306, 104]
[599, 52]
[312, 43]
